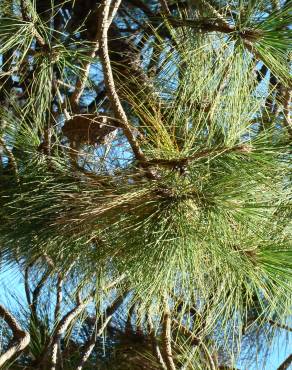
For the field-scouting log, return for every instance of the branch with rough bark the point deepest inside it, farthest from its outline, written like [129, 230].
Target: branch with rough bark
[20, 339]
[59, 297]
[61, 329]
[104, 23]
[166, 337]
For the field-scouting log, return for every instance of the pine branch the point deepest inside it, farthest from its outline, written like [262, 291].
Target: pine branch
[24, 10]
[276, 4]
[59, 297]
[114, 283]
[196, 341]
[280, 326]
[208, 356]
[165, 7]
[128, 324]
[113, 10]
[89, 345]
[203, 24]
[27, 17]
[26, 284]
[81, 81]
[36, 292]
[12, 160]
[172, 163]
[100, 326]
[61, 329]
[155, 346]
[20, 338]
[286, 364]
[213, 11]
[287, 96]
[166, 337]
[109, 80]
[110, 310]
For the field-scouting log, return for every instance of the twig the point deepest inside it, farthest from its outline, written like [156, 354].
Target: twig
[113, 10]
[209, 357]
[20, 338]
[280, 326]
[115, 305]
[59, 293]
[37, 290]
[81, 82]
[109, 80]
[61, 329]
[166, 337]
[276, 4]
[155, 346]
[285, 365]
[59, 297]
[49, 261]
[26, 17]
[88, 348]
[115, 282]
[142, 6]
[11, 158]
[165, 7]
[24, 10]
[287, 96]
[128, 324]
[26, 284]
[64, 84]
[110, 310]
[204, 25]
[203, 154]
[195, 340]
[213, 11]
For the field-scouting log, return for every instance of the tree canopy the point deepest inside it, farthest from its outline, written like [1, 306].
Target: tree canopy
[145, 189]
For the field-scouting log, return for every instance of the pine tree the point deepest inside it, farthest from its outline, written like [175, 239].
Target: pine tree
[146, 181]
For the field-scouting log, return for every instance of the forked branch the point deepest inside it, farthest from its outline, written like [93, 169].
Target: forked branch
[61, 329]
[20, 338]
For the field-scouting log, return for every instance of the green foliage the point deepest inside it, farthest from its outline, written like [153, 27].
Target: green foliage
[213, 224]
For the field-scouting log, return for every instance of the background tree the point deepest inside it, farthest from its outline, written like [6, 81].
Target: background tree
[146, 181]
